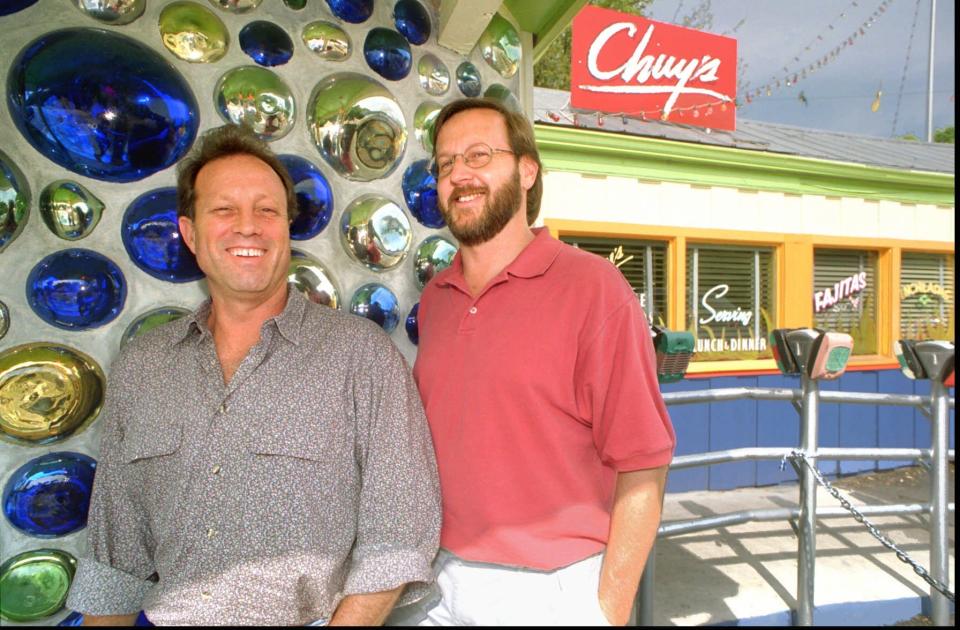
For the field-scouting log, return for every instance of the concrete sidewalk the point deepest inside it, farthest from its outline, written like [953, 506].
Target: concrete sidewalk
[747, 574]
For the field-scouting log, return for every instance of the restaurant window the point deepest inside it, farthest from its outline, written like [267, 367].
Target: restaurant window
[845, 295]
[643, 264]
[730, 301]
[926, 296]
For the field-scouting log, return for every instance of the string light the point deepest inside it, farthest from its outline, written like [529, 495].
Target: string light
[696, 111]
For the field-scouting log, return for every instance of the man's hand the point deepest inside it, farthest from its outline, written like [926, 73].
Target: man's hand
[633, 529]
[367, 609]
[109, 620]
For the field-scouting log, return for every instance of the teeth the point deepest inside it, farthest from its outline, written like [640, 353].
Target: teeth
[466, 198]
[247, 252]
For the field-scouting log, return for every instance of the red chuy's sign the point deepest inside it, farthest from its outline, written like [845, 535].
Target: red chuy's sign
[628, 64]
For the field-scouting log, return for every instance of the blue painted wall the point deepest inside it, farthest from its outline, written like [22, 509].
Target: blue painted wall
[724, 425]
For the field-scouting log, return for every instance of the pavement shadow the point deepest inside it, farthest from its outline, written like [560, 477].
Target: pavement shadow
[688, 590]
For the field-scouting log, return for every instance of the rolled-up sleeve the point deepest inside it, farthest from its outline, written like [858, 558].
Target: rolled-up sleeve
[114, 578]
[398, 524]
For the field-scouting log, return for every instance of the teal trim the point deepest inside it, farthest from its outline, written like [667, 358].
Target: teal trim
[600, 153]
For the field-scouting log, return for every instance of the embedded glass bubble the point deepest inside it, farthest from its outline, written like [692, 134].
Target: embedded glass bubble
[413, 325]
[314, 197]
[420, 193]
[47, 392]
[412, 20]
[434, 76]
[151, 236]
[34, 584]
[14, 201]
[375, 231]
[258, 98]
[387, 53]
[423, 121]
[49, 495]
[76, 289]
[193, 33]
[236, 6]
[468, 79]
[150, 320]
[69, 210]
[353, 11]
[115, 12]
[311, 278]
[12, 6]
[4, 320]
[500, 46]
[377, 303]
[296, 5]
[101, 104]
[327, 40]
[433, 255]
[357, 125]
[72, 620]
[266, 43]
[503, 95]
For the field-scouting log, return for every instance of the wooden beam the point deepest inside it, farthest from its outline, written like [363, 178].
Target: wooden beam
[462, 22]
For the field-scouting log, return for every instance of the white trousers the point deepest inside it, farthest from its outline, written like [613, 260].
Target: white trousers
[484, 594]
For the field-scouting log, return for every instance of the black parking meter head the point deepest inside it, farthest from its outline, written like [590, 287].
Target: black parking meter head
[781, 352]
[800, 342]
[937, 358]
[907, 358]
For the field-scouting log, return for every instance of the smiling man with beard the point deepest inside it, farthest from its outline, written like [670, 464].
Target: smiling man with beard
[537, 373]
[257, 465]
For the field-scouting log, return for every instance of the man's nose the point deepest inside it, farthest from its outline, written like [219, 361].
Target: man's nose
[246, 222]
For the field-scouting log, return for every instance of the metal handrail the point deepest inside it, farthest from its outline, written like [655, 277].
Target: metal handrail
[806, 400]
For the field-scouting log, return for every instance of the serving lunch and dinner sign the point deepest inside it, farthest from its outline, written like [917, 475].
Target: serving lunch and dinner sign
[628, 64]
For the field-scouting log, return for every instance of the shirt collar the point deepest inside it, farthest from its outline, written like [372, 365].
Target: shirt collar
[288, 322]
[533, 261]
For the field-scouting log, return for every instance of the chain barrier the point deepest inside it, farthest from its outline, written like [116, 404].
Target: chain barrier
[860, 518]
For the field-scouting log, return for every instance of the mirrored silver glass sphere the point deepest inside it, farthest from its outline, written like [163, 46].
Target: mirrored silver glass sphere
[375, 231]
[69, 210]
[112, 11]
[256, 97]
[433, 255]
[327, 40]
[434, 76]
[310, 277]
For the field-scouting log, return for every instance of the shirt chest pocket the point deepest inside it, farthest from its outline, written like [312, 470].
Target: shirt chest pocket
[150, 444]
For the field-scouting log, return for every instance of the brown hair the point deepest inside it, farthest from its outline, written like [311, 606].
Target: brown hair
[519, 133]
[222, 142]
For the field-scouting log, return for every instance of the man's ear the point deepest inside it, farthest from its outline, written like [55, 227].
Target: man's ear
[187, 233]
[528, 172]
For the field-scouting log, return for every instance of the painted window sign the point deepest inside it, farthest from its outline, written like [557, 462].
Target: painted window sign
[628, 64]
[730, 301]
[845, 295]
[642, 263]
[927, 285]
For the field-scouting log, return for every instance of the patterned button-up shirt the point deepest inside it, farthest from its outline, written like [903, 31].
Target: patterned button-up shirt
[309, 477]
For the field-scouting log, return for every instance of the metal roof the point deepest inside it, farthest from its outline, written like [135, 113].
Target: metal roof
[552, 107]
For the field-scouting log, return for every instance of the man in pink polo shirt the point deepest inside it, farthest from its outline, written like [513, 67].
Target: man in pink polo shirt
[537, 373]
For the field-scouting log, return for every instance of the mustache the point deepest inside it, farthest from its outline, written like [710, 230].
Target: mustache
[464, 190]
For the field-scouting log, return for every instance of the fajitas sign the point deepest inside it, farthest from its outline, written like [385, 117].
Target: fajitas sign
[628, 64]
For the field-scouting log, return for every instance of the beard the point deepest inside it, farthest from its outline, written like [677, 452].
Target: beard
[498, 209]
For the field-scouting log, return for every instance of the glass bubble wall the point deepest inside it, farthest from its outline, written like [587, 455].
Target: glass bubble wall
[100, 101]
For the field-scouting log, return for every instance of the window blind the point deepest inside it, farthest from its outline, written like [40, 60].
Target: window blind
[927, 285]
[845, 295]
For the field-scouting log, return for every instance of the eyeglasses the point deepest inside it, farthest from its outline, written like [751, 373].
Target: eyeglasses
[476, 156]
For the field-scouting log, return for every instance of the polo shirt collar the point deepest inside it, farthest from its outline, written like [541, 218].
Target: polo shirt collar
[288, 322]
[533, 261]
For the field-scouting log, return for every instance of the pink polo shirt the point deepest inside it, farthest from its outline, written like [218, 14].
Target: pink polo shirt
[538, 391]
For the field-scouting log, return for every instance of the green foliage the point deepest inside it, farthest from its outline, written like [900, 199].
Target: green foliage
[553, 69]
[944, 135]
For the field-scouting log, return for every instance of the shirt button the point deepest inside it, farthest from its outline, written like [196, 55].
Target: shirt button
[222, 409]
[473, 310]
[211, 533]
[216, 469]
[206, 595]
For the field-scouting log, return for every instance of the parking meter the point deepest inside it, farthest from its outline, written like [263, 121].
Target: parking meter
[673, 349]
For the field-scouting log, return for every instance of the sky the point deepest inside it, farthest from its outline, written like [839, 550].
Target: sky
[771, 33]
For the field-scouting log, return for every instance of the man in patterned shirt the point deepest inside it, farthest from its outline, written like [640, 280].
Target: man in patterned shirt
[264, 460]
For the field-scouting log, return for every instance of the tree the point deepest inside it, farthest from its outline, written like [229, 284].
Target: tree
[553, 69]
[944, 135]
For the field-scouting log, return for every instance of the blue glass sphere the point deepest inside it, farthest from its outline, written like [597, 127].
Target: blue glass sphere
[101, 104]
[353, 11]
[49, 495]
[73, 619]
[420, 193]
[76, 289]
[468, 79]
[12, 6]
[412, 21]
[377, 303]
[266, 43]
[413, 325]
[387, 53]
[151, 237]
[314, 197]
